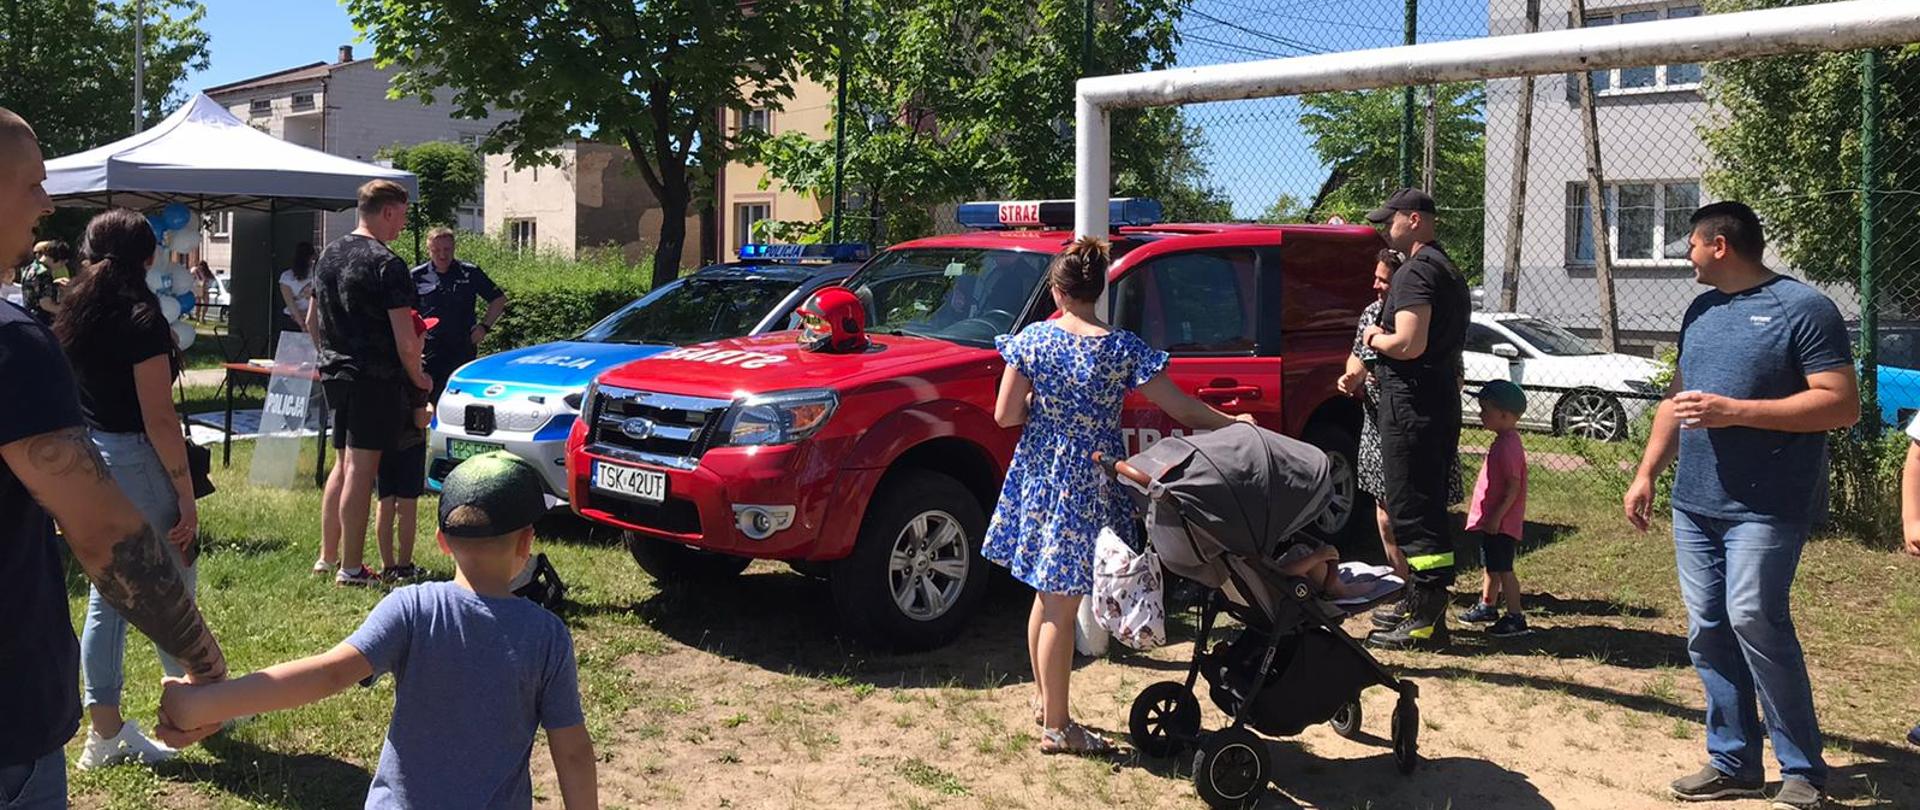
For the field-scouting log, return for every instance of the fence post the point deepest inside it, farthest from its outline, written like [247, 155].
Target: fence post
[1522, 156]
[1406, 103]
[1597, 205]
[1869, 250]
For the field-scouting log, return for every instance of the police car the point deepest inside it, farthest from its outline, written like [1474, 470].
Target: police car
[524, 401]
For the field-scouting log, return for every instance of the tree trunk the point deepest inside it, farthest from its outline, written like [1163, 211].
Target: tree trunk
[673, 236]
[1597, 208]
[1522, 163]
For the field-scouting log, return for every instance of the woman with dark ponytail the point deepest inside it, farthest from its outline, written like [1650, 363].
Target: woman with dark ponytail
[123, 356]
[1064, 380]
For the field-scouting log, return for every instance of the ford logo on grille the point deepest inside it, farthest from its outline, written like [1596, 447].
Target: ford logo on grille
[637, 428]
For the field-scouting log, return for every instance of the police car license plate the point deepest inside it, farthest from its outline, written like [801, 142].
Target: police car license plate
[632, 482]
[461, 449]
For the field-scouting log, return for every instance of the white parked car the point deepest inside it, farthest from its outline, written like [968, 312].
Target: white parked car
[1572, 386]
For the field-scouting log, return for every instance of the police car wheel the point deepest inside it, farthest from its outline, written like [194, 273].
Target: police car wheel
[673, 564]
[915, 577]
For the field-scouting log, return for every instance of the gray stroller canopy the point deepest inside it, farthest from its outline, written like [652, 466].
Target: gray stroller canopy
[1242, 490]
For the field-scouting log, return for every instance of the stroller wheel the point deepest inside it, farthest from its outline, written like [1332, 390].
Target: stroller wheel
[1406, 735]
[1346, 721]
[1231, 768]
[1165, 719]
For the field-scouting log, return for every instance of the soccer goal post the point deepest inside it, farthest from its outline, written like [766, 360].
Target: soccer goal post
[1774, 32]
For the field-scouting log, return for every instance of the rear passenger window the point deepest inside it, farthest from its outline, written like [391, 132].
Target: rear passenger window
[1200, 303]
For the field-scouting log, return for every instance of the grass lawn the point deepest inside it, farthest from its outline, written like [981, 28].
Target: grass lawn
[741, 695]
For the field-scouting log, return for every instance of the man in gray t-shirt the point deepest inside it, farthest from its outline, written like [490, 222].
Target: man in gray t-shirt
[1765, 371]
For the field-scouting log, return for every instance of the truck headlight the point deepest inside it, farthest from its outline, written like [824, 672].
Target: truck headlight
[782, 418]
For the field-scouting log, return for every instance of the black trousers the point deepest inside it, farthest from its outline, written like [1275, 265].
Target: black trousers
[1419, 419]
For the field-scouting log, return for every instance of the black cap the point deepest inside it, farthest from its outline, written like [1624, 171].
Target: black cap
[491, 495]
[1406, 199]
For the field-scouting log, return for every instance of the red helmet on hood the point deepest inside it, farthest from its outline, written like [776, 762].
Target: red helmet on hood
[833, 320]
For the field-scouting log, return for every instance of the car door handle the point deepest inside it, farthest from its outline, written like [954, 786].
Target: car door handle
[1229, 392]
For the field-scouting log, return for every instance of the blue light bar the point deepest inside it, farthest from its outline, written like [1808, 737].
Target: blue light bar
[837, 252]
[993, 216]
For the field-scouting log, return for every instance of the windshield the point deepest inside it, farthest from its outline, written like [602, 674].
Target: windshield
[692, 310]
[1550, 339]
[966, 295]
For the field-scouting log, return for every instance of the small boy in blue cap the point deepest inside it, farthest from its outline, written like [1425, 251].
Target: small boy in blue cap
[1498, 510]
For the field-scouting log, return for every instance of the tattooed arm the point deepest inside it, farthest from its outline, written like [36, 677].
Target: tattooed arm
[152, 378]
[131, 565]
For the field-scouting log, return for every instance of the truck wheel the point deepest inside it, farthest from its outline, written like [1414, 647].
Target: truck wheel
[1336, 525]
[673, 564]
[916, 575]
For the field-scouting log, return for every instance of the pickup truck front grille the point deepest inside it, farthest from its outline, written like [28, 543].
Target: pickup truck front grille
[664, 429]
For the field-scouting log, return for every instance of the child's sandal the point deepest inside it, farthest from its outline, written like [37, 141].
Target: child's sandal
[1074, 739]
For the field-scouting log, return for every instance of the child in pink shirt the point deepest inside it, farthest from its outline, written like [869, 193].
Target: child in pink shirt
[1498, 509]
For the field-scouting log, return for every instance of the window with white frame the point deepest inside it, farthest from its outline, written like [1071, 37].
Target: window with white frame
[1647, 222]
[522, 233]
[260, 106]
[1656, 78]
[220, 224]
[746, 219]
[755, 120]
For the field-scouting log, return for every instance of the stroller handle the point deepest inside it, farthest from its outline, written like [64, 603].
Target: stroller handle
[1114, 466]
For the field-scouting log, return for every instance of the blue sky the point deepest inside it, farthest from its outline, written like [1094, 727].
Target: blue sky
[1255, 150]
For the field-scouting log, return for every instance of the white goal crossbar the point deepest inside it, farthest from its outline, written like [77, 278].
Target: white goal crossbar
[1743, 35]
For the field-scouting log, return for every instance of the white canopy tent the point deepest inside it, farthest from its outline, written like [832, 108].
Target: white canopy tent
[205, 157]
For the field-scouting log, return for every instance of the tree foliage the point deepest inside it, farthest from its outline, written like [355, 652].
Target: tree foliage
[1785, 137]
[450, 175]
[956, 99]
[67, 66]
[1358, 134]
[651, 76]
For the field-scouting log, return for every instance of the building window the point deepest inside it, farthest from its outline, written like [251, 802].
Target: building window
[259, 107]
[1647, 222]
[756, 120]
[471, 140]
[220, 225]
[1626, 81]
[746, 222]
[302, 102]
[522, 233]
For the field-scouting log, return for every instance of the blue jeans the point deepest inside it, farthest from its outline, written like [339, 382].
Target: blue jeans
[1735, 577]
[37, 785]
[141, 476]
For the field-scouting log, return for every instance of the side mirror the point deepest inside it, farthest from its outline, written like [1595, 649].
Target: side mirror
[1506, 350]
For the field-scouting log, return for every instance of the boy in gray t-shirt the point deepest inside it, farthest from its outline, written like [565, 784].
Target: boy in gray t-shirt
[476, 669]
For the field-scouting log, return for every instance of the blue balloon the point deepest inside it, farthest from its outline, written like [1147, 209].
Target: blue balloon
[187, 302]
[159, 227]
[176, 216]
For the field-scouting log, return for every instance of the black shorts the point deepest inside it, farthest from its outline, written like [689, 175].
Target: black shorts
[369, 414]
[403, 472]
[1496, 552]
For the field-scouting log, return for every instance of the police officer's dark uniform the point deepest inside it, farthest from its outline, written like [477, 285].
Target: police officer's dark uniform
[452, 297]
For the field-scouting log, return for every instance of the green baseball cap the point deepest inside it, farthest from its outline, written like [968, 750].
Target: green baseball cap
[1503, 395]
[491, 495]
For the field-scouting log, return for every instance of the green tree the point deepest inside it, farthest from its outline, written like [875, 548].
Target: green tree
[1785, 137]
[1358, 134]
[66, 66]
[956, 99]
[652, 76]
[1287, 208]
[450, 176]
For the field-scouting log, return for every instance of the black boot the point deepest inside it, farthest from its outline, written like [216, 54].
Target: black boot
[1391, 614]
[1425, 625]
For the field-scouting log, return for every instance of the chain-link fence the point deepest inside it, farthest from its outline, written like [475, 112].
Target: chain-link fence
[1583, 310]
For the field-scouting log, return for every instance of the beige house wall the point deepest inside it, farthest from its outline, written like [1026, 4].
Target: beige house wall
[810, 111]
[544, 194]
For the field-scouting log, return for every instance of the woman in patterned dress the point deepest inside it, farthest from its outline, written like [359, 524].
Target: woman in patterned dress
[1358, 382]
[1064, 380]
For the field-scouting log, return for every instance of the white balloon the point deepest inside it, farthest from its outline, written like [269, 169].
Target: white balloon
[170, 308]
[183, 333]
[183, 240]
[158, 279]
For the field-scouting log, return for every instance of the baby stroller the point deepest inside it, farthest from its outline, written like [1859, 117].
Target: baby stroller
[1222, 508]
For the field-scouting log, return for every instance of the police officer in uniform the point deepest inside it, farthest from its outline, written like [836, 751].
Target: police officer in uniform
[449, 290]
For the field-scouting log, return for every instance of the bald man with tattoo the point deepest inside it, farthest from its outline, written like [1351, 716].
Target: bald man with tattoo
[50, 472]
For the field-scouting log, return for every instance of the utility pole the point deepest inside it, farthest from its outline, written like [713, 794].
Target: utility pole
[139, 64]
[840, 124]
[1406, 103]
[1869, 247]
[1522, 158]
[1597, 208]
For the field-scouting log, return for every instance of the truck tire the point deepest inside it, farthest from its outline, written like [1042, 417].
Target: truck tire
[672, 564]
[915, 576]
[1339, 525]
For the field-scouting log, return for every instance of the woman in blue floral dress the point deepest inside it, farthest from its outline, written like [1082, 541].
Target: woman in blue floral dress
[1064, 381]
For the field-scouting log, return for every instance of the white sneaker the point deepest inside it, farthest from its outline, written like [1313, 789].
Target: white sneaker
[130, 745]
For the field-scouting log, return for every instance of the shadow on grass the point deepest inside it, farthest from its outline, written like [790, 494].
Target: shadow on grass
[1302, 779]
[1547, 604]
[1599, 643]
[1887, 776]
[264, 776]
[563, 525]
